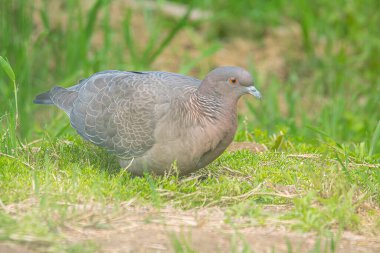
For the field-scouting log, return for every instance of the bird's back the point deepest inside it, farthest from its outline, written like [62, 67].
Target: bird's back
[160, 85]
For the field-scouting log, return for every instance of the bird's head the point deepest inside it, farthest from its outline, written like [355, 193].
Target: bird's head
[230, 82]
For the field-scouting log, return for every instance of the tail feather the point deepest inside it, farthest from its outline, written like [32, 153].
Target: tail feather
[43, 98]
[61, 97]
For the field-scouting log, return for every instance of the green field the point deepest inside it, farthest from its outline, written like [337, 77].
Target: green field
[317, 127]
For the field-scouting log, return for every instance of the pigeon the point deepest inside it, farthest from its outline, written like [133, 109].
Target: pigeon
[155, 121]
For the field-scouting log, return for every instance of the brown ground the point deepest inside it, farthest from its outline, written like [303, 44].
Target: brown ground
[146, 229]
[149, 230]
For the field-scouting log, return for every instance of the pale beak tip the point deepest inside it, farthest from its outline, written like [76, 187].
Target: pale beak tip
[254, 92]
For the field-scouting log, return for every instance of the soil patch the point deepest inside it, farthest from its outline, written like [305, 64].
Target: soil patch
[146, 229]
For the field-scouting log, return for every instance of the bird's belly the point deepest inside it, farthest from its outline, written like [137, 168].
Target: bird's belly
[181, 151]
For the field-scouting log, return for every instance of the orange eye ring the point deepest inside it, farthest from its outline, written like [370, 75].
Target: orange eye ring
[232, 80]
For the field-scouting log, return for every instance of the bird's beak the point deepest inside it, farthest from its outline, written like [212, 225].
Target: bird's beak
[253, 91]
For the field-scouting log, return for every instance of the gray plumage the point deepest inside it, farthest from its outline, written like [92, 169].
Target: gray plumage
[150, 120]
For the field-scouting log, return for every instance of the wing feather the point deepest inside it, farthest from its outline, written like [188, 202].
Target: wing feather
[119, 110]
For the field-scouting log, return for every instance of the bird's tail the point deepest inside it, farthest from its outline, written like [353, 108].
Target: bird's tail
[43, 98]
[61, 97]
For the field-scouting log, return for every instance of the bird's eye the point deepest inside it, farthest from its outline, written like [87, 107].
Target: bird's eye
[232, 80]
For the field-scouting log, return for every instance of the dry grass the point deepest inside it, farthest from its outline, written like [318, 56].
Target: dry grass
[133, 227]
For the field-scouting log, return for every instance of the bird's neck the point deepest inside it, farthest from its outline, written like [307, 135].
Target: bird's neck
[203, 109]
[205, 93]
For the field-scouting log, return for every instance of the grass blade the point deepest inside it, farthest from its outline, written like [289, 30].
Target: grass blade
[92, 17]
[7, 68]
[374, 139]
[171, 34]
[129, 38]
[205, 53]
[13, 119]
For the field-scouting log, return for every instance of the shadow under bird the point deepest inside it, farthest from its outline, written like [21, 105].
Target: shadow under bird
[151, 119]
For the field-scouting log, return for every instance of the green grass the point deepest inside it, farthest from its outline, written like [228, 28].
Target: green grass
[49, 177]
[320, 120]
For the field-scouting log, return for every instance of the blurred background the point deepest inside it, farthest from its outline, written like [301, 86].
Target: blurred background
[317, 63]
